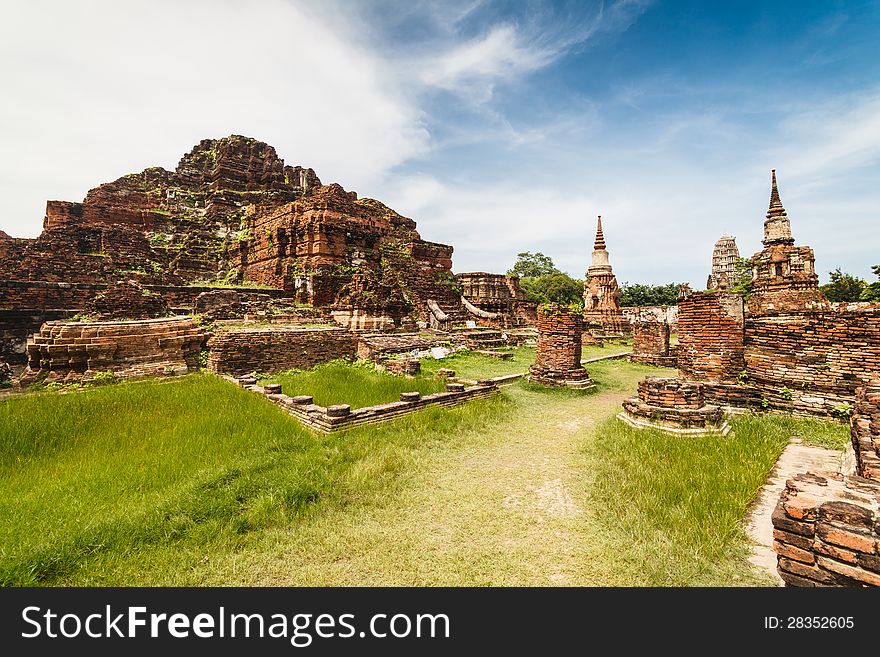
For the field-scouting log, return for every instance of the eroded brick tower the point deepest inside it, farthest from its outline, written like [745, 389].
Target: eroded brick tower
[783, 275]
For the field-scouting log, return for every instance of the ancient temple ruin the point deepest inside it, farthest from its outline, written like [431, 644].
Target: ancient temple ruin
[783, 275]
[233, 213]
[602, 312]
[725, 257]
[496, 300]
[784, 347]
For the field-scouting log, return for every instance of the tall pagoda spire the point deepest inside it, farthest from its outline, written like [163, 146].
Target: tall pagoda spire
[777, 228]
[599, 245]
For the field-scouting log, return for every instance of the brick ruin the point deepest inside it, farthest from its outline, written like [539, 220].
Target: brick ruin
[651, 344]
[231, 212]
[675, 406]
[78, 351]
[558, 354]
[784, 277]
[327, 419]
[602, 312]
[827, 526]
[710, 336]
[785, 348]
[725, 257]
[241, 351]
[499, 295]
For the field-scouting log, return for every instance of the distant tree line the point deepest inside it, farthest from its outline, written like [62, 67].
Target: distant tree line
[543, 282]
[846, 287]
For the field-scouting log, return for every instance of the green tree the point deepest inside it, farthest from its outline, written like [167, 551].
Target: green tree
[872, 290]
[557, 287]
[532, 265]
[639, 294]
[843, 287]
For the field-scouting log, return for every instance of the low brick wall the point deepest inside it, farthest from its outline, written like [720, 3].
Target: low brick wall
[76, 350]
[651, 344]
[336, 418]
[240, 351]
[826, 529]
[710, 336]
[811, 363]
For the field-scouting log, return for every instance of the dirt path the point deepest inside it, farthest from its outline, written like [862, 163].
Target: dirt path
[507, 509]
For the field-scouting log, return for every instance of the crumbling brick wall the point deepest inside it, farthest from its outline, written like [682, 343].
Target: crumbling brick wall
[651, 344]
[710, 336]
[242, 351]
[75, 350]
[827, 526]
[826, 529]
[558, 353]
[865, 431]
[812, 362]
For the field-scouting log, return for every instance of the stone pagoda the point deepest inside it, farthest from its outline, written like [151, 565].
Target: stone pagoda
[602, 312]
[783, 275]
[724, 259]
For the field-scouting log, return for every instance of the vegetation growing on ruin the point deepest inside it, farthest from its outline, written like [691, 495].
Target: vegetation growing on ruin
[356, 384]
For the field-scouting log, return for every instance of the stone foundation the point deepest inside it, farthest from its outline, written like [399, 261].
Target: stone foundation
[651, 344]
[558, 355]
[675, 406]
[267, 350]
[74, 351]
[326, 419]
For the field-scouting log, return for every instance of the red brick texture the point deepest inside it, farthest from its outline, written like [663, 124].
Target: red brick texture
[558, 353]
[826, 531]
[710, 336]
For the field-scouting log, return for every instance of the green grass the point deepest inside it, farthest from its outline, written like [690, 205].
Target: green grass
[196, 481]
[139, 483]
[608, 349]
[675, 505]
[358, 384]
[471, 365]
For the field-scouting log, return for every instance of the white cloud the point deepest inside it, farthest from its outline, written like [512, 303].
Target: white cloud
[501, 54]
[95, 90]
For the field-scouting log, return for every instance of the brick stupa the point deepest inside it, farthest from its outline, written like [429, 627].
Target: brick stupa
[602, 312]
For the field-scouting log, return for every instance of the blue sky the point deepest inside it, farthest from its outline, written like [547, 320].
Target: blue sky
[498, 126]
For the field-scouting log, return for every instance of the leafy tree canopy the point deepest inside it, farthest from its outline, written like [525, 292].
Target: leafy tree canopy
[556, 287]
[872, 290]
[532, 265]
[639, 294]
[843, 287]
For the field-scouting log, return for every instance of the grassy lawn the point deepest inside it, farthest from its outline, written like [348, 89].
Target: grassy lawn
[198, 482]
[471, 365]
[142, 483]
[357, 384]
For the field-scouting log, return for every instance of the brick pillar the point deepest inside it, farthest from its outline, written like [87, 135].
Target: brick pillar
[558, 355]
